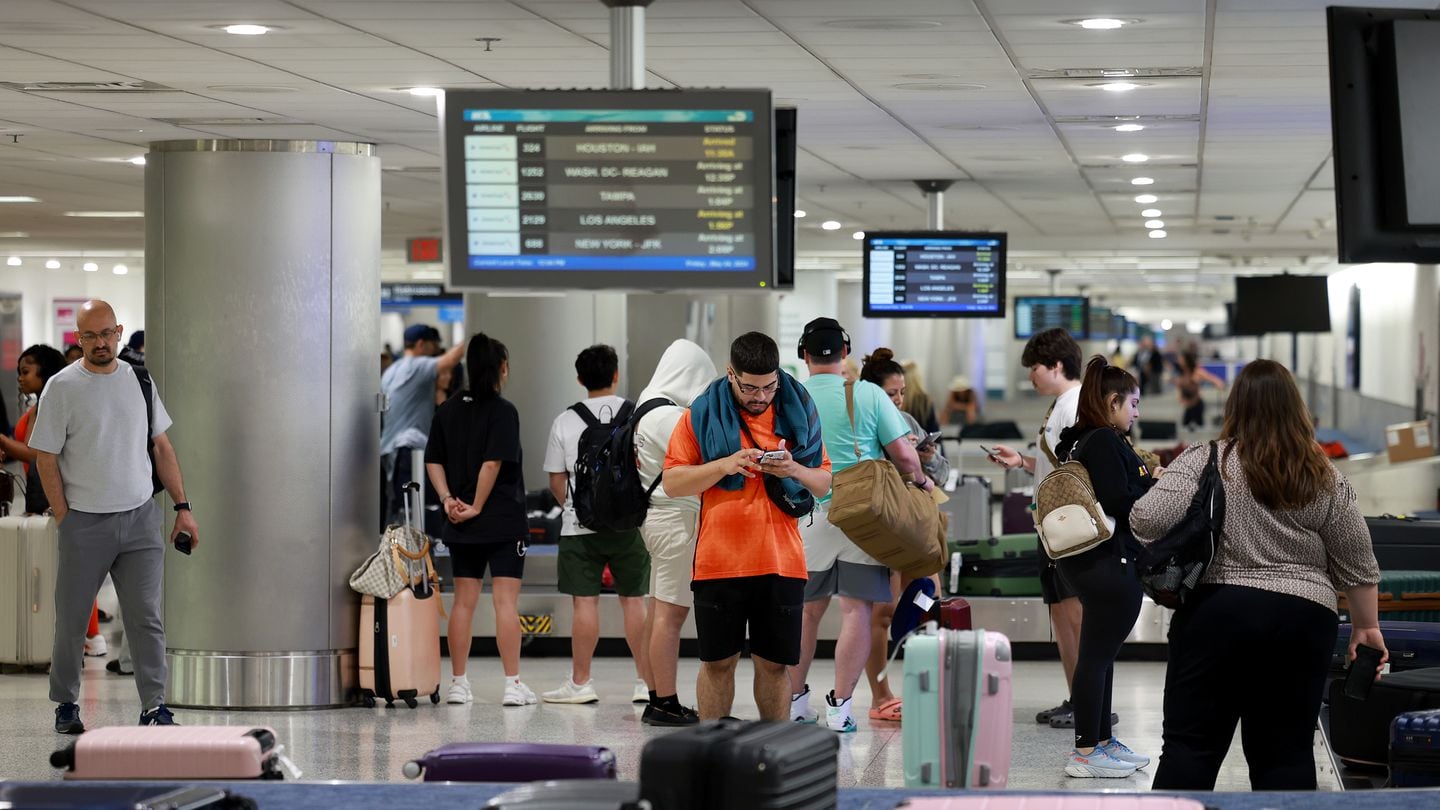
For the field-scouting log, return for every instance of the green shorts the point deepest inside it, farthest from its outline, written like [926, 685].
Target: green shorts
[583, 557]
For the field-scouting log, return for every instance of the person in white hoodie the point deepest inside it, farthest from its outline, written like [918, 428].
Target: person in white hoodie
[670, 526]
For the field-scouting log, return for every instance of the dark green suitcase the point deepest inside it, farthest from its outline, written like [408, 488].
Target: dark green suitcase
[1008, 565]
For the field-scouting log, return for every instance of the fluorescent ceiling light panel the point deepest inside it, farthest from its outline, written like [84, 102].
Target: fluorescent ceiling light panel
[1128, 128]
[1134, 157]
[18, 199]
[106, 214]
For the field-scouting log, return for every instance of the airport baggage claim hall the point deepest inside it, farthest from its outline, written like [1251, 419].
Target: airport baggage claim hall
[283, 194]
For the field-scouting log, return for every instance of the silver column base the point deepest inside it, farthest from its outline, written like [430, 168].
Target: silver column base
[321, 679]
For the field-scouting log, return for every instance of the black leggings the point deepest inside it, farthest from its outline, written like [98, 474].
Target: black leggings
[1110, 593]
[1194, 415]
[1254, 657]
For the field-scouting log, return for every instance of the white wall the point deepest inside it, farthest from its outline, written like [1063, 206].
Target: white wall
[39, 287]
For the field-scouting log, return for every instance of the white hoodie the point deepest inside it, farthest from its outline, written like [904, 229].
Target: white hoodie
[682, 374]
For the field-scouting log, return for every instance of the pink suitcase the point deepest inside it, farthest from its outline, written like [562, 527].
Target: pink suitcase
[1087, 802]
[171, 752]
[959, 723]
[400, 648]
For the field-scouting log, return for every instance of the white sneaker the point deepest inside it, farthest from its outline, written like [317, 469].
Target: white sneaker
[800, 711]
[641, 693]
[571, 692]
[1097, 765]
[837, 714]
[95, 646]
[517, 694]
[459, 691]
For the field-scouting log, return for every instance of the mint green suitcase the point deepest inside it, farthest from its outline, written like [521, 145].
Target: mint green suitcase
[959, 719]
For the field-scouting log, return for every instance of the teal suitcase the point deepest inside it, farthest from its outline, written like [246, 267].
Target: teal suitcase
[959, 720]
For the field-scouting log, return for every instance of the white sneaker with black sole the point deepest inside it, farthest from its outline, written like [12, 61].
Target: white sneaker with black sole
[571, 692]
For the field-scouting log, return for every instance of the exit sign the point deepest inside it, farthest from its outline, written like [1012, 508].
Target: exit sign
[423, 250]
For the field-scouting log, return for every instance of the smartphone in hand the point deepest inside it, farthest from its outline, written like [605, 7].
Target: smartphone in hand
[1361, 676]
[988, 451]
[772, 456]
[184, 542]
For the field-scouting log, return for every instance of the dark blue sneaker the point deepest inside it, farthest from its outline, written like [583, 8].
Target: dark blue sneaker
[67, 719]
[158, 716]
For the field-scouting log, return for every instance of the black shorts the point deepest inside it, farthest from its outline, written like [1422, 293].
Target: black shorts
[506, 558]
[1053, 587]
[769, 606]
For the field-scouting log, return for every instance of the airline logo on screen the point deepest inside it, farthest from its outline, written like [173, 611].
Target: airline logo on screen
[611, 189]
[934, 275]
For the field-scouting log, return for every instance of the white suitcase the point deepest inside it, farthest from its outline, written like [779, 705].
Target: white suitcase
[29, 555]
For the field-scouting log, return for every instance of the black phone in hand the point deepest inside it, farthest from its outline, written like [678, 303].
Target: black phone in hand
[1361, 676]
[183, 542]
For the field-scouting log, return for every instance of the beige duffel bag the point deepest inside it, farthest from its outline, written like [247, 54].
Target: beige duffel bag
[892, 520]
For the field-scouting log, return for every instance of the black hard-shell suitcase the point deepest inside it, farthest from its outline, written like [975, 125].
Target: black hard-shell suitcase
[1360, 729]
[1405, 544]
[740, 764]
[1415, 750]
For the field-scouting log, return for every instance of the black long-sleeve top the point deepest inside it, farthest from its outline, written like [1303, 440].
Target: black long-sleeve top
[1119, 476]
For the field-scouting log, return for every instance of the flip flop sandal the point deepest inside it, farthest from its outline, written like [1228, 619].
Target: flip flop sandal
[889, 711]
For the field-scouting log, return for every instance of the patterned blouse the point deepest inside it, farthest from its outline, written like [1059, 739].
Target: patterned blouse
[1310, 552]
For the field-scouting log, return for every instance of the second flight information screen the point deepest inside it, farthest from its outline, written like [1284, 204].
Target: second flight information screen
[608, 185]
[937, 274]
[1038, 313]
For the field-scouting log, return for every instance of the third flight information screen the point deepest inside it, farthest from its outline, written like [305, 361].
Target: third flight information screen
[935, 274]
[650, 189]
[1038, 313]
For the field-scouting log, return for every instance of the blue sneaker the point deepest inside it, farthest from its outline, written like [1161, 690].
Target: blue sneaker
[1122, 752]
[158, 716]
[1097, 765]
[67, 719]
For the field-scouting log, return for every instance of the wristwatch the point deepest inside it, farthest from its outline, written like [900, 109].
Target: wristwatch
[183, 506]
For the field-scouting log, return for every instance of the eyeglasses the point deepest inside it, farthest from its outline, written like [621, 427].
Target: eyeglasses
[751, 390]
[108, 334]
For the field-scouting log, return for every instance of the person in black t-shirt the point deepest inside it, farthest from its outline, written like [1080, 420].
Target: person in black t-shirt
[473, 461]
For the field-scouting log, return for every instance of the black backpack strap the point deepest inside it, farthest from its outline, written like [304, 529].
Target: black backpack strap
[147, 390]
[591, 420]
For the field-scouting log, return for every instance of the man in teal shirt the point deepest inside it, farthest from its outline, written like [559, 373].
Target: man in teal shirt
[836, 566]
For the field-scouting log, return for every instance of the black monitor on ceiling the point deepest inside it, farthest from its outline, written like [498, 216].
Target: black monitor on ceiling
[786, 149]
[1119, 327]
[1386, 124]
[934, 274]
[1037, 313]
[1101, 321]
[609, 189]
[1282, 303]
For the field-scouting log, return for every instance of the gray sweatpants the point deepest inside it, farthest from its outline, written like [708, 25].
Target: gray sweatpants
[127, 546]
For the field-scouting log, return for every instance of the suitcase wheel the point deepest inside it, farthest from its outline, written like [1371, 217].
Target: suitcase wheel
[412, 702]
[435, 696]
[389, 704]
[367, 700]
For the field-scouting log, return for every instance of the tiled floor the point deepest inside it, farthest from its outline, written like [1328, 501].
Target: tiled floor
[372, 745]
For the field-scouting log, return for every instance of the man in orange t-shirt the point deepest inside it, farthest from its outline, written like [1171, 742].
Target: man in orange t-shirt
[749, 559]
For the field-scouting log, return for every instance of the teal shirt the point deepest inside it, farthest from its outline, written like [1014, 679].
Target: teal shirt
[877, 421]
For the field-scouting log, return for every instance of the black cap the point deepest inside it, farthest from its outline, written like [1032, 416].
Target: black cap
[824, 338]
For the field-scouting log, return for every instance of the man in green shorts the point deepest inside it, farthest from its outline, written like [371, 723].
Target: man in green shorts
[583, 553]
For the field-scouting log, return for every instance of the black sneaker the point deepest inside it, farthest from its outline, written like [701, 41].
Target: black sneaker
[669, 716]
[1044, 717]
[158, 716]
[67, 719]
[114, 666]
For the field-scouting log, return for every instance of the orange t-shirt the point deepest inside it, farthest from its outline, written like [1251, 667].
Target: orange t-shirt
[742, 532]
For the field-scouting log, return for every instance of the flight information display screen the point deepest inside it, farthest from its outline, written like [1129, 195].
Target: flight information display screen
[1038, 313]
[934, 274]
[653, 190]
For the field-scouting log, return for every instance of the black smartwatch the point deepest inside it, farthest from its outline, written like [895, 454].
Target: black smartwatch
[183, 505]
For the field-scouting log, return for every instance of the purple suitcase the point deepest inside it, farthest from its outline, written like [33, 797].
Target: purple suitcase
[1015, 514]
[512, 762]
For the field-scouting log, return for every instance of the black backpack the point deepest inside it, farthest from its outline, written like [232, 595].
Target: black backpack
[606, 488]
[1171, 567]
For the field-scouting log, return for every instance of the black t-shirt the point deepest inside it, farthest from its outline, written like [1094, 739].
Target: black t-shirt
[1119, 476]
[465, 434]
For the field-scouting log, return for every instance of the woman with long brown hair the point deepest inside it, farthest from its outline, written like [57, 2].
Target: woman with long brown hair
[1293, 536]
[1104, 577]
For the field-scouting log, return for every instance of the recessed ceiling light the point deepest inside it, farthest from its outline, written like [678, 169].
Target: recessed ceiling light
[137, 161]
[1154, 224]
[1167, 324]
[1150, 212]
[858, 234]
[1134, 157]
[18, 199]
[830, 225]
[799, 213]
[424, 92]
[1142, 181]
[1099, 23]
[1158, 234]
[14, 261]
[246, 29]
[90, 267]
[1146, 199]
[119, 269]
[1128, 128]
[106, 214]
[1118, 87]
[52, 264]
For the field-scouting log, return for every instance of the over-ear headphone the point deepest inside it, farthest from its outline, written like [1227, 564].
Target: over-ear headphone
[800, 346]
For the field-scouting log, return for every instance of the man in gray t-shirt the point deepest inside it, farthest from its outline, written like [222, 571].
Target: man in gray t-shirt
[409, 384]
[92, 435]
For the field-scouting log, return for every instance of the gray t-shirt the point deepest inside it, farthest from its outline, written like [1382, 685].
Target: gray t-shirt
[409, 384]
[95, 425]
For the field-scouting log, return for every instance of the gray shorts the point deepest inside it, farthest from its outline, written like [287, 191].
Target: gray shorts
[870, 583]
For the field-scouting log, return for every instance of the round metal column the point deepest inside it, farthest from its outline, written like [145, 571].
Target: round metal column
[262, 272]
